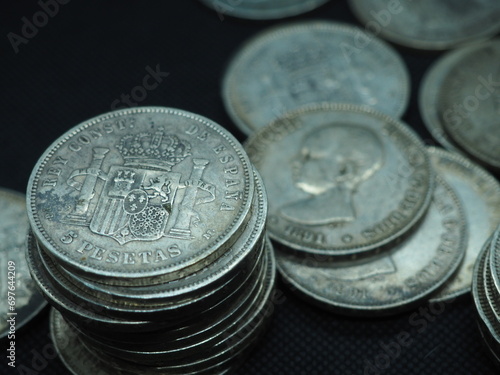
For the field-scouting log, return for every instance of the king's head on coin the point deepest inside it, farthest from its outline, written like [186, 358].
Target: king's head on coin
[330, 164]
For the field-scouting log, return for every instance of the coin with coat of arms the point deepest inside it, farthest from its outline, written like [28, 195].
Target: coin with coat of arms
[148, 193]
[290, 66]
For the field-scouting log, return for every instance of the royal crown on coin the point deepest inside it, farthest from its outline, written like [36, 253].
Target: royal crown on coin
[157, 151]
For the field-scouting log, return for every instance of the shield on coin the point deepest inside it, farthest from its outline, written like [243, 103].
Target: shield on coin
[132, 204]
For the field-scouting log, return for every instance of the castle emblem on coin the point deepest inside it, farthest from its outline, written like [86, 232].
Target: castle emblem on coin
[142, 199]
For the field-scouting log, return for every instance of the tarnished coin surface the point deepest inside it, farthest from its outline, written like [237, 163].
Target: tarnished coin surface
[77, 357]
[84, 314]
[479, 193]
[243, 250]
[391, 281]
[341, 179]
[83, 359]
[148, 193]
[488, 325]
[491, 292]
[495, 260]
[429, 24]
[262, 9]
[470, 101]
[290, 66]
[20, 300]
[430, 93]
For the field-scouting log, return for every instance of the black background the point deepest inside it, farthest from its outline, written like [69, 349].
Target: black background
[90, 53]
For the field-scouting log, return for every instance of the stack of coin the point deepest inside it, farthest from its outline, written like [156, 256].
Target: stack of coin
[148, 238]
[486, 294]
[367, 220]
[459, 101]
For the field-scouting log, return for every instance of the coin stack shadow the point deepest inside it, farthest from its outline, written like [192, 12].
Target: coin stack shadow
[204, 321]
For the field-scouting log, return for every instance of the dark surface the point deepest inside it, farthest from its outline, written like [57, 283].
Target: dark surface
[92, 52]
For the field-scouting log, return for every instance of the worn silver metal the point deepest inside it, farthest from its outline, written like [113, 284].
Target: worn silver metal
[81, 313]
[469, 104]
[186, 335]
[262, 9]
[81, 359]
[290, 66]
[159, 311]
[394, 280]
[168, 350]
[491, 292]
[429, 24]
[342, 180]
[494, 261]
[430, 93]
[488, 325]
[143, 195]
[244, 250]
[479, 193]
[20, 299]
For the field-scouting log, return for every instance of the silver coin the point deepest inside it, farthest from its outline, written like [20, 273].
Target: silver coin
[245, 249]
[341, 179]
[428, 24]
[80, 359]
[71, 310]
[178, 297]
[429, 99]
[470, 101]
[491, 293]
[20, 300]
[262, 9]
[394, 280]
[168, 350]
[192, 333]
[495, 260]
[139, 310]
[241, 336]
[290, 66]
[479, 193]
[487, 322]
[140, 195]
